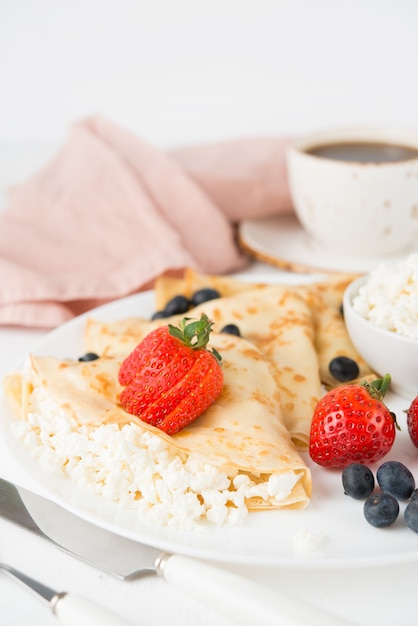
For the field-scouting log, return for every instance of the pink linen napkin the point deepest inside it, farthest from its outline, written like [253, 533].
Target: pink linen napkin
[110, 213]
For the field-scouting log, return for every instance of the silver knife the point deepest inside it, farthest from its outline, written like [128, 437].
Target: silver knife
[241, 600]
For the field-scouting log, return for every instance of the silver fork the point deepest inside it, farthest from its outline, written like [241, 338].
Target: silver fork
[68, 607]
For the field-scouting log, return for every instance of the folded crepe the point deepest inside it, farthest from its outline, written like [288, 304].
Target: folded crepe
[323, 297]
[276, 319]
[242, 432]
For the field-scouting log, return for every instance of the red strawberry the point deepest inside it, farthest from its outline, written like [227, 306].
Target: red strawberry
[412, 421]
[351, 424]
[171, 378]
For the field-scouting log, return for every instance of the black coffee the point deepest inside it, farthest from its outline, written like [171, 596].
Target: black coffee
[364, 152]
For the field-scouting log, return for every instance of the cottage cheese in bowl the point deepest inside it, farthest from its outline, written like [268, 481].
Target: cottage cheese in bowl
[389, 297]
[381, 315]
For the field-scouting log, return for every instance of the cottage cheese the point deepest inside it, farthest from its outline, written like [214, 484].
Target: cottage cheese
[138, 470]
[308, 543]
[389, 298]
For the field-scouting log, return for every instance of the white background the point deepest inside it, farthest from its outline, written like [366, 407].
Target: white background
[183, 71]
[178, 72]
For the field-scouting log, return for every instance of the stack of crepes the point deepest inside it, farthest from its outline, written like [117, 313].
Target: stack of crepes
[298, 330]
[275, 373]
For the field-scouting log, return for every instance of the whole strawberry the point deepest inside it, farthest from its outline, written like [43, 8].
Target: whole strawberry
[171, 378]
[412, 421]
[351, 424]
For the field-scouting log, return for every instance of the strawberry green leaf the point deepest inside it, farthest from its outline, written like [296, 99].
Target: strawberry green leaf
[194, 333]
[377, 389]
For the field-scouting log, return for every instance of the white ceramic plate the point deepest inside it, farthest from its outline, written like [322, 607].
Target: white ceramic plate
[281, 241]
[265, 538]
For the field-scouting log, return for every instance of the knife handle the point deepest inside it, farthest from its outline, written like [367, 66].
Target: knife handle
[72, 609]
[244, 602]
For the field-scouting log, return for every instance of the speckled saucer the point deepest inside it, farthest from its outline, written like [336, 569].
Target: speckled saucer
[281, 241]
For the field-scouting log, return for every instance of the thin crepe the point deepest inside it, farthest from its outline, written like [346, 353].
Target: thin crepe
[324, 298]
[242, 432]
[276, 319]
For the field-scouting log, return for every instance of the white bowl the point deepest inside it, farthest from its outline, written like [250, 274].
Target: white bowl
[385, 351]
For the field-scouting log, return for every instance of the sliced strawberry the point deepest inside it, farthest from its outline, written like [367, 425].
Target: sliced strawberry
[171, 378]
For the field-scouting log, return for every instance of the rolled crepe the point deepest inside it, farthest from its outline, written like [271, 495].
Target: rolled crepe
[276, 319]
[242, 432]
[331, 337]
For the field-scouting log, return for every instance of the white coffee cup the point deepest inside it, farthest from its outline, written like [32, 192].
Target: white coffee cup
[349, 207]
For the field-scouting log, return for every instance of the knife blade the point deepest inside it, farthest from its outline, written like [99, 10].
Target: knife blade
[100, 548]
[243, 601]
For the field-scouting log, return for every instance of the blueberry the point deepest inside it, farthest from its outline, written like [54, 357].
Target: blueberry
[395, 479]
[411, 515]
[204, 295]
[358, 481]
[231, 329]
[178, 304]
[414, 495]
[381, 510]
[158, 315]
[344, 369]
[89, 356]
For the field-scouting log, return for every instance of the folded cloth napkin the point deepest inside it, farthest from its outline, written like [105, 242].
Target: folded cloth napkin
[110, 213]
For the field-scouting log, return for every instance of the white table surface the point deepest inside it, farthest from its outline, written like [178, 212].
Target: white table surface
[381, 596]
